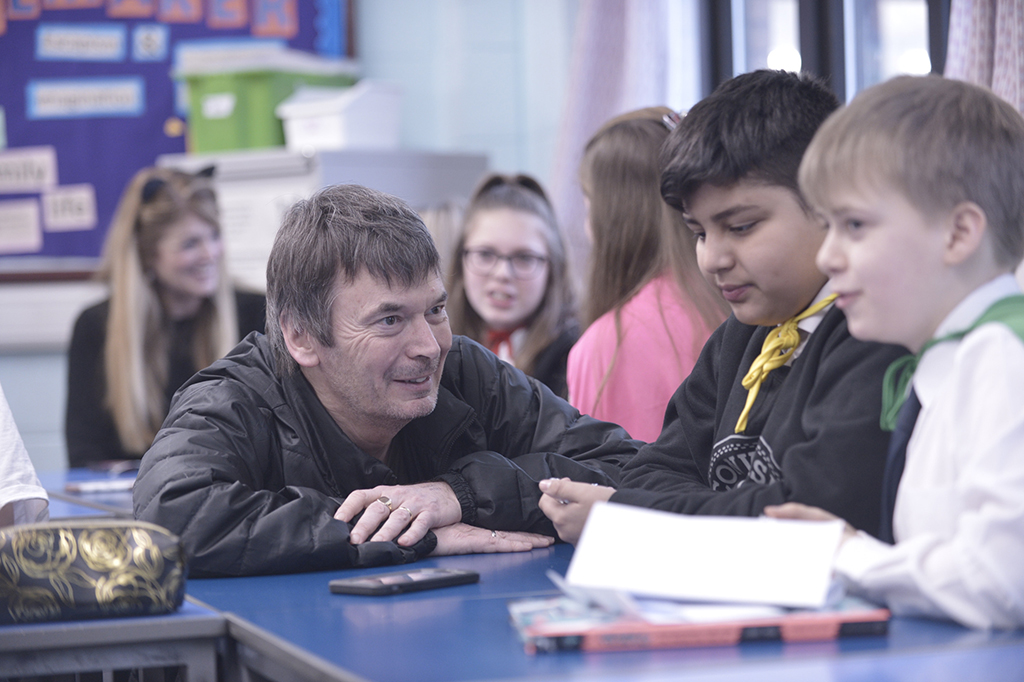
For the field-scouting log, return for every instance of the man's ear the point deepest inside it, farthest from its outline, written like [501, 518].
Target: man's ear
[301, 345]
[967, 228]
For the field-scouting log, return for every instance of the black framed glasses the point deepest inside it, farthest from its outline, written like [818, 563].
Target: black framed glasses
[525, 265]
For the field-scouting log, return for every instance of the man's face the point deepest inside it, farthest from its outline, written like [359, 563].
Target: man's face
[884, 258]
[390, 344]
[756, 244]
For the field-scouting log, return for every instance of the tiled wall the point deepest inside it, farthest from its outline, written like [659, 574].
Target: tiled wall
[485, 76]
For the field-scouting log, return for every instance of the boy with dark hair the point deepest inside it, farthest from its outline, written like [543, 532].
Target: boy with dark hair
[783, 403]
[921, 181]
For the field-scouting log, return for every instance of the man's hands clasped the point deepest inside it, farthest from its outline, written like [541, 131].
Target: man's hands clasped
[409, 512]
[412, 508]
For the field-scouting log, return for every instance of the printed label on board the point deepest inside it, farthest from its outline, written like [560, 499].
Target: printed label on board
[71, 207]
[72, 4]
[20, 231]
[24, 9]
[227, 14]
[150, 42]
[85, 98]
[275, 18]
[81, 42]
[180, 11]
[124, 9]
[27, 169]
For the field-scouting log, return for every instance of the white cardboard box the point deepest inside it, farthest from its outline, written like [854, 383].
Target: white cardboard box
[366, 115]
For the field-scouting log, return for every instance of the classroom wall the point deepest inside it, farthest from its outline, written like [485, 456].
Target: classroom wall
[477, 76]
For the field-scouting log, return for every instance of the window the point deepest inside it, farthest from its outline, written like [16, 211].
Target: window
[853, 44]
[884, 38]
[766, 35]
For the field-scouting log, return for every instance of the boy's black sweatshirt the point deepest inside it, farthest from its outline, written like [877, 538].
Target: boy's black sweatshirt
[812, 436]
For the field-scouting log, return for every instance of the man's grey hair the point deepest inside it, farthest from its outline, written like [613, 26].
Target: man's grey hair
[340, 230]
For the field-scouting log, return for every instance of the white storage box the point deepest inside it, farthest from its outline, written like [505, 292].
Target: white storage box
[366, 115]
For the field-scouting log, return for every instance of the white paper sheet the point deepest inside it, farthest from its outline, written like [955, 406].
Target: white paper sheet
[706, 558]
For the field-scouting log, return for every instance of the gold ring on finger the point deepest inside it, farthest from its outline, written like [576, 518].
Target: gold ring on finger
[386, 501]
[406, 509]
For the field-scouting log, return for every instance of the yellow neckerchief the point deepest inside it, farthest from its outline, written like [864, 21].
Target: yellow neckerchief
[777, 348]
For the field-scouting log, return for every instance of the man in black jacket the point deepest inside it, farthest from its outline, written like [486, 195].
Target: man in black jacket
[358, 431]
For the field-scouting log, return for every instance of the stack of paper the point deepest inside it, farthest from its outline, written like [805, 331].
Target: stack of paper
[706, 558]
[648, 579]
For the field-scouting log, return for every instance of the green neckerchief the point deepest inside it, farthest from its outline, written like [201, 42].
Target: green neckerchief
[1008, 311]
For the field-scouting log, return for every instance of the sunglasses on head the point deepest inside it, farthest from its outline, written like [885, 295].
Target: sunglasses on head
[154, 185]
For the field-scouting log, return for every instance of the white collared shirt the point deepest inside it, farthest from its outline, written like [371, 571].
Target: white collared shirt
[807, 325]
[959, 516]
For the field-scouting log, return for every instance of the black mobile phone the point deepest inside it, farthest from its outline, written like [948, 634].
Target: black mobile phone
[413, 580]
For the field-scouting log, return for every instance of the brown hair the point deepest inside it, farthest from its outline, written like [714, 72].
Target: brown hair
[755, 126]
[636, 235]
[339, 231]
[557, 310]
[136, 350]
[938, 141]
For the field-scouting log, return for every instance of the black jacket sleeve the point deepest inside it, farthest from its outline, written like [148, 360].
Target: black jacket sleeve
[212, 477]
[89, 431]
[531, 434]
[829, 445]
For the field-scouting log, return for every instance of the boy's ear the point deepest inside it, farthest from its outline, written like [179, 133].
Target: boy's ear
[967, 228]
[301, 345]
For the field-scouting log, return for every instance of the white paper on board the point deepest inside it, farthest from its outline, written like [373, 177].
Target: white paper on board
[706, 558]
[27, 169]
[20, 229]
[69, 207]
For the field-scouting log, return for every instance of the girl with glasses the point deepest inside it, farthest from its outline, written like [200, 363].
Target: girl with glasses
[509, 282]
[171, 312]
[648, 310]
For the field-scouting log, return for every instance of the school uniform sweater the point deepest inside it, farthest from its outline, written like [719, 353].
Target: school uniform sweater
[813, 434]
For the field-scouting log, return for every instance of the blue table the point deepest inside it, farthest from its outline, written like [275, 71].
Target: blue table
[64, 504]
[61, 508]
[292, 628]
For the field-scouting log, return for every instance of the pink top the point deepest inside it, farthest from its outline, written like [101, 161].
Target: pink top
[662, 335]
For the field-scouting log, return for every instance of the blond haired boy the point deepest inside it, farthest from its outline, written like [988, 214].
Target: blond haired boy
[921, 183]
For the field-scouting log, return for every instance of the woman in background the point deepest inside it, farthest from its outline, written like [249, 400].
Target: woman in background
[171, 312]
[509, 282]
[648, 310]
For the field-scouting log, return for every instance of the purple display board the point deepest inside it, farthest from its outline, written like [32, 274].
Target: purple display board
[88, 98]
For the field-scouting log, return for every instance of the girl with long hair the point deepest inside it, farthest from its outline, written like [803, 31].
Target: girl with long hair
[648, 310]
[171, 312]
[509, 283]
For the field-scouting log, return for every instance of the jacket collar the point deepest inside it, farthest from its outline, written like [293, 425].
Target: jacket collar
[421, 449]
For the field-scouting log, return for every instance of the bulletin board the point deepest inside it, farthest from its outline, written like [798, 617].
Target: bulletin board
[87, 98]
